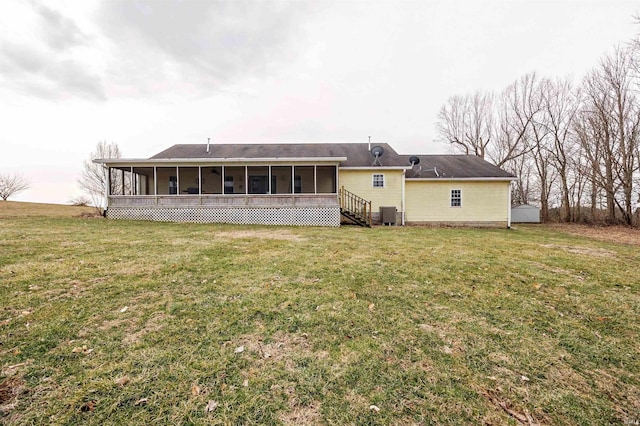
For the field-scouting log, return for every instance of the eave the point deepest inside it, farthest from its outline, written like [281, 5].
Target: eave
[116, 162]
[375, 168]
[470, 179]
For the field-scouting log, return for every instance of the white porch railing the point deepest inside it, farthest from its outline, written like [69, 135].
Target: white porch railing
[227, 200]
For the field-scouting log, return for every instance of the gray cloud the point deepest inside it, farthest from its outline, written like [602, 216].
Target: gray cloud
[60, 32]
[44, 66]
[38, 73]
[166, 47]
[211, 43]
[16, 58]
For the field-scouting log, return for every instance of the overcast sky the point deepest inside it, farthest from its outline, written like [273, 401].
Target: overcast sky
[150, 74]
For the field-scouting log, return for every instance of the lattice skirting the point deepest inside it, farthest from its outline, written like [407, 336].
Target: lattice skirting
[310, 216]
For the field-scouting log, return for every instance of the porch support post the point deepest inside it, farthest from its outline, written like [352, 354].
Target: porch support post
[108, 181]
[177, 180]
[132, 182]
[293, 179]
[335, 183]
[155, 181]
[404, 172]
[199, 180]
[315, 179]
[224, 180]
[107, 190]
[122, 182]
[246, 180]
[269, 178]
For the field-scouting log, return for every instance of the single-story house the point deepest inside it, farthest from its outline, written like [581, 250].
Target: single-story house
[307, 184]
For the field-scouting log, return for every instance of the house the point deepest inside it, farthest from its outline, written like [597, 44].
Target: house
[307, 184]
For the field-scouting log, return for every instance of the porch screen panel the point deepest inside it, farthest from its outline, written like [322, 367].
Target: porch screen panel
[212, 180]
[143, 180]
[326, 179]
[304, 182]
[234, 180]
[258, 179]
[281, 180]
[167, 180]
[120, 180]
[188, 178]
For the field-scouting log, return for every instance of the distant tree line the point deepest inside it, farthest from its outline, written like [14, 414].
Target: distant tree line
[575, 148]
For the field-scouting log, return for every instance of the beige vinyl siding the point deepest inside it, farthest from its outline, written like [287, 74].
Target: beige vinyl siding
[482, 201]
[360, 182]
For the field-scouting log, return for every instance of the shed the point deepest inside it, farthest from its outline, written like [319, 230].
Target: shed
[525, 213]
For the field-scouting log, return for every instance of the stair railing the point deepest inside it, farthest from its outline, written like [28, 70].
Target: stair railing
[356, 206]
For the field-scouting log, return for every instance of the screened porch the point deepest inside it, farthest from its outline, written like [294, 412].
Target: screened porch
[230, 185]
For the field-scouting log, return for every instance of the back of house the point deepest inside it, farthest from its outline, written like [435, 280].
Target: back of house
[306, 184]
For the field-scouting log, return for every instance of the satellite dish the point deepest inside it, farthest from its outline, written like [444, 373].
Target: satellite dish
[414, 160]
[377, 151]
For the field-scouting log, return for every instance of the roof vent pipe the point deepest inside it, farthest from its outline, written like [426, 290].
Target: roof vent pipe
[369, 147]
[436, 171]
[208, 141]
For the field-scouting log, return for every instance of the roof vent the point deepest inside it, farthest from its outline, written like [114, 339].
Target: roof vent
[208, 141]
[377, 152]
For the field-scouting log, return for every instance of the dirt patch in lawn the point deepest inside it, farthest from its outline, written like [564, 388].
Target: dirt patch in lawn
[154, 323]
[282, 347]
[613, 234]
[280, 234]
[301, 415]
[10, 389]
[586, 251]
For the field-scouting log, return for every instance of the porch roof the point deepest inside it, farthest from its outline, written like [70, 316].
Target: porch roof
[348, 154]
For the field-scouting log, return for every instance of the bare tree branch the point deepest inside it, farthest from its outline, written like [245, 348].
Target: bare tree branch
[94, 177]
[11, 184]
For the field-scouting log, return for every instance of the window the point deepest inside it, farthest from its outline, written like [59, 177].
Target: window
[456, 198]
[378, 180]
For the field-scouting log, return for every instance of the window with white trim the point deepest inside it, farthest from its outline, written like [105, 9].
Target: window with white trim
[456, 198]
[378, 180]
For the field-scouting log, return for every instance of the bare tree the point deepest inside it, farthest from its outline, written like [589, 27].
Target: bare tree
[466, 122]
[94, 177]
[613, 121]
[559, 107]
[11, 184]
[517, 106]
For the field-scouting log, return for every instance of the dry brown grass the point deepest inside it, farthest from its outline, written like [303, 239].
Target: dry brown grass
[431, 325]
[18, 209]
[614, 234]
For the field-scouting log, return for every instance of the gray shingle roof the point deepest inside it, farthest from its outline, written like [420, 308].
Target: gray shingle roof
[454, 166]
[357, 154]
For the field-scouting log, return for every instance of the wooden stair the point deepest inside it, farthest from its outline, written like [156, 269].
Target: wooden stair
[355, 208]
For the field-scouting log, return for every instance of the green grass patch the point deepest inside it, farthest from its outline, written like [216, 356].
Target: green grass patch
[121, 322]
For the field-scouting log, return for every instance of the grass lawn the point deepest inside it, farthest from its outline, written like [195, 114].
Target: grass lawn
[123, 322]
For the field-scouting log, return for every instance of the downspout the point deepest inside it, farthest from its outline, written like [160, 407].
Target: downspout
[404, 173]
[509, 206]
